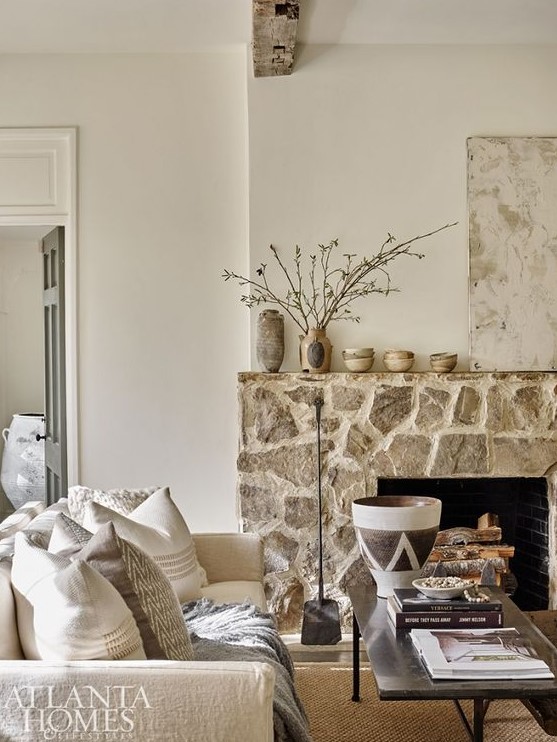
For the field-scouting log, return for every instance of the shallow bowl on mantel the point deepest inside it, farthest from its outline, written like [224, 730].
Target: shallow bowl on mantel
[358, 353]
[443, 362]
[395, 362]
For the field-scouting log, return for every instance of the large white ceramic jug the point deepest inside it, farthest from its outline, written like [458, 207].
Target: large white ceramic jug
[23, 472]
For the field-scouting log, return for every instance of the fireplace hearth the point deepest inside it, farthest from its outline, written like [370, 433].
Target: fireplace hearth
[427, 427]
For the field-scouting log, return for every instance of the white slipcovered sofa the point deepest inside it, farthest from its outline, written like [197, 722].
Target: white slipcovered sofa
[139, 700]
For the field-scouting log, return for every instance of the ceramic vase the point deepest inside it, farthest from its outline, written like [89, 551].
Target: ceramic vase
[269, 344]
[315, 352]
[23, 469]
[396, 535]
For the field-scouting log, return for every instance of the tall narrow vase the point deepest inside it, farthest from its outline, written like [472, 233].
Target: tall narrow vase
[315, 352]
[269, 344]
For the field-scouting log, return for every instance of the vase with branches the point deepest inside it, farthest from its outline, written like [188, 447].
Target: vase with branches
[326, 291]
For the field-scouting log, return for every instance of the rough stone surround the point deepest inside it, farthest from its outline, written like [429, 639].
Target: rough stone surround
[375, 425]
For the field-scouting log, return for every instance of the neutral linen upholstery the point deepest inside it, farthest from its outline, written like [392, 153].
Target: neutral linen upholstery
[139, 580]
[20, 518]
[10, 648]
[67, 610]
[121, 500]
[187, 701]
[232, 580]
[213, 551]
[157, 527]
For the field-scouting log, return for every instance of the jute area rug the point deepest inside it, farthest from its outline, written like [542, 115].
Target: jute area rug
[326, 688]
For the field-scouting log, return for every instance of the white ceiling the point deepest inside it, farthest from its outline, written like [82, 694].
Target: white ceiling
[196, 25]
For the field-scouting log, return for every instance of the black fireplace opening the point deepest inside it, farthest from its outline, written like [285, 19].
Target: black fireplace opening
[522, 507]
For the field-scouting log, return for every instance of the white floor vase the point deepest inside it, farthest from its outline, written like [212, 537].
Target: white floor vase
[23, 471]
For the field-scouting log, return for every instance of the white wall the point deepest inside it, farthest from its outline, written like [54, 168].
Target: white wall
[21, 334]
[162, 165]
[356, 142]
[21, 330]
[360, 141]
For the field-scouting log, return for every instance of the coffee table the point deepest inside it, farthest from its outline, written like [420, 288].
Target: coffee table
[401, 676]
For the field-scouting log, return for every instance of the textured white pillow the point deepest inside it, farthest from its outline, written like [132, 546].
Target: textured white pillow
[67, 610]
[139, 580]
[157, 527]
[122, 500]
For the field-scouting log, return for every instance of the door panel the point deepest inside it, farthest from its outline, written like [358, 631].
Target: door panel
[55, 366]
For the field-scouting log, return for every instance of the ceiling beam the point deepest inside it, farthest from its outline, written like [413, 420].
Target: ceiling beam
[274, 36]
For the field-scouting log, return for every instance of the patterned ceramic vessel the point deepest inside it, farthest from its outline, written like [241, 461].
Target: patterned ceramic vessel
[396, 535]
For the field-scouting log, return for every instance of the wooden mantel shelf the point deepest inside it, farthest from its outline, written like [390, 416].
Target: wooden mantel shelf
[407, 376]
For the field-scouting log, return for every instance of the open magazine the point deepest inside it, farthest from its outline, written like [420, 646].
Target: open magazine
[489, 654]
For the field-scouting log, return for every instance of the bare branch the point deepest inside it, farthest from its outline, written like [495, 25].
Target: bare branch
[328, 297]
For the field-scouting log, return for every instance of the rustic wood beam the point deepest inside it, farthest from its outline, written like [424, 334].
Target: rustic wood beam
[274, 27]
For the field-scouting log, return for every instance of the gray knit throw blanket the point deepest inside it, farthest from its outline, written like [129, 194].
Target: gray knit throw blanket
[230, 631]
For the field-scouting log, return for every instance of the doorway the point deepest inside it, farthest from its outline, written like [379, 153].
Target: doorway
[22, 349]
[38, 192]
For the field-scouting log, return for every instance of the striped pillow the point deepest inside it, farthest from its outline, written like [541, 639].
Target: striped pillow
[157, 527]
[139, 580]
[66, 610]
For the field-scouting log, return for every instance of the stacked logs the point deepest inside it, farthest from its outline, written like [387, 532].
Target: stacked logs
[472, 553]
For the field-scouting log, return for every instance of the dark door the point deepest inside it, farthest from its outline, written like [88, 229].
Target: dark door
[55, 366]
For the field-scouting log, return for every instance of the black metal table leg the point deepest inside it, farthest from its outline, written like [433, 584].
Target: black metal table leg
[355, 659]
[476, 729]
[480, 707]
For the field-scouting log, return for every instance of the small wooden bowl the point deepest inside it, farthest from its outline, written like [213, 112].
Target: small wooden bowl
[390, 353]
[442, 363]
[359, 365]
[358, 353]
[398, 364]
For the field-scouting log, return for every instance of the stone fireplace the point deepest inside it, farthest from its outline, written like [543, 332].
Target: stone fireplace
[421, 426]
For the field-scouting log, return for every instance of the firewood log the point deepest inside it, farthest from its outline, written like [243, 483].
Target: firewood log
[453, 536]
[471, 551]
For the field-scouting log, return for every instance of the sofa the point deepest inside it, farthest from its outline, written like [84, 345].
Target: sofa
[136, 700]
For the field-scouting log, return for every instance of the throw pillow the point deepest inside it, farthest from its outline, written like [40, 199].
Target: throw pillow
[66, 610]
[68, 537]
[139, 580]
[121, 500]
[157, 527]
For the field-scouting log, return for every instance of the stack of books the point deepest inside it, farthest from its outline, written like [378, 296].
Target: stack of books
[410, 609]
[474, 654]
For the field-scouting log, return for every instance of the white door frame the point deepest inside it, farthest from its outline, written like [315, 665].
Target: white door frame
[38, 186]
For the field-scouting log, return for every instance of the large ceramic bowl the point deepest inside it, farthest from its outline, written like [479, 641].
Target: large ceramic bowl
[396, 535]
